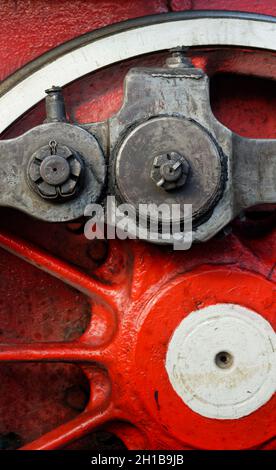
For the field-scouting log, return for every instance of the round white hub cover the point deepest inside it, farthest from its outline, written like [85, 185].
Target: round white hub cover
[221, 361]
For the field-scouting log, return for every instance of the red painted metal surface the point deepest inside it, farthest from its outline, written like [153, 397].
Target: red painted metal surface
[85, 325]
[266, 7]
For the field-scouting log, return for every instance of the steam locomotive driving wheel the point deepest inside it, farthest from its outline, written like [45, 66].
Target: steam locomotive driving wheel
[162, 348]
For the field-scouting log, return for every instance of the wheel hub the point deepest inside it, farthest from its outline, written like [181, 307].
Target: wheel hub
[221, 361]
[214, 366]
[160, 137]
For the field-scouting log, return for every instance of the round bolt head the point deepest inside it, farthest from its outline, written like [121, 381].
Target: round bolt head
[170, 170]
[55, 170]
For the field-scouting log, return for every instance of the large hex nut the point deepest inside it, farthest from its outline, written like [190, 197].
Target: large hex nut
[55, 176]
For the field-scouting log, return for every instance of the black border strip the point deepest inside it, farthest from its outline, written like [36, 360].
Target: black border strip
[172, 460]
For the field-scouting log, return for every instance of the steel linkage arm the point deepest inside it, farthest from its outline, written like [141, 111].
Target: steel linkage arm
[164, 146]
[254, 171]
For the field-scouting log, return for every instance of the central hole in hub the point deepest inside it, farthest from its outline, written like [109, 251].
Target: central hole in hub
[224, 360]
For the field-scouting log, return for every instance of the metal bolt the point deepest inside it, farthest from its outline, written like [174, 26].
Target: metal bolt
[178, 58]
[170, 170]
[55, 172]
[55, 106]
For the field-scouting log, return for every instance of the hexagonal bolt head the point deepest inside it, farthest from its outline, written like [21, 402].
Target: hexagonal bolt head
[55, 176]
[170, 170]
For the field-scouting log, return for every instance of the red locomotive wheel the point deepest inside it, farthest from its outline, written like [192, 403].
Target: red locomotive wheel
[209, 388]
[124, 339]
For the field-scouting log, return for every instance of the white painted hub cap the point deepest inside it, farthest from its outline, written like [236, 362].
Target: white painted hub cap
[221, 361]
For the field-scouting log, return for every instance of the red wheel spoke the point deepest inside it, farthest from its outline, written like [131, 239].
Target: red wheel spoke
[69, 432]
[58, 268]
[49, 352]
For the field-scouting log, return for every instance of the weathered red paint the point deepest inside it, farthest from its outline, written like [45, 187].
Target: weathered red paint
[266, 7]
[112, 313]
[29, 28]
[150, 293]
[204, 286]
